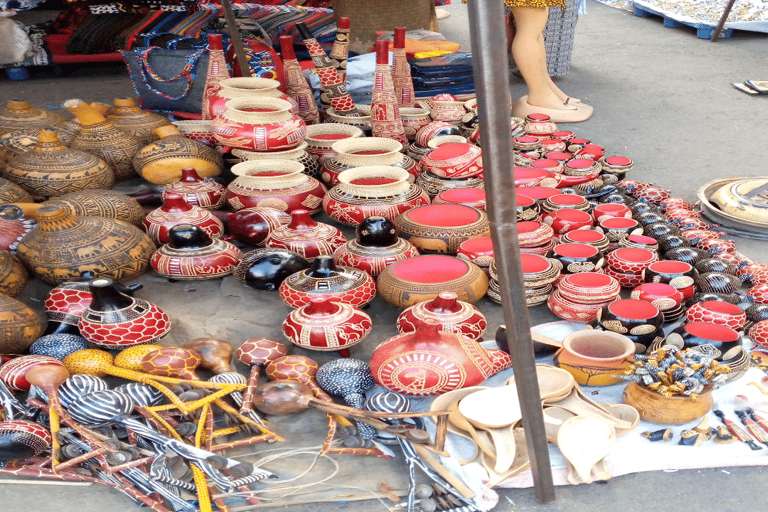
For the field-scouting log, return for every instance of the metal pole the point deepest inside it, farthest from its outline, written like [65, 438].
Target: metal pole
[237, 42]
[489, 60]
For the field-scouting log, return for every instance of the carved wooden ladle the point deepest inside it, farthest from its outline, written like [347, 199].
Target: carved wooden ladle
[257, 353]
[49, 378]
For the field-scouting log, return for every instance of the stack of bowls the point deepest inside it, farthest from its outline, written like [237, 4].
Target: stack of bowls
[627, 264]
[638, 320]
[535, 237]
[678, 274]
[579, 297]
[538, 275]
[667, 298]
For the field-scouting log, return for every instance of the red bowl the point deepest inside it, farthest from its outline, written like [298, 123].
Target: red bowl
[663, 296]
[630, 316]
[533, 233]
[589, 287]
[608, 210]
[454, 160]
[474, 197]
[552, 166]
[630, 260]
[478, 251]
[679, 274]
[571, 310]
[717, 312]
[530, 177]
[559, 201]
[625, 279]
[568, 219]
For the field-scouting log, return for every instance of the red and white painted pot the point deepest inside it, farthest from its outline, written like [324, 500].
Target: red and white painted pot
[630, 260]
[474, 197]
[246, 87]
[259, 124]
[568, 219]
[604, 211]
[663, 296]
[13, 373]
[365, 152]
[327, 325]
[477, 250]
[329, 281]
[454, 160]
[589, 287]
[176, 210]
[717, 312]
[452, 314]
[306, 237]
[197, 191]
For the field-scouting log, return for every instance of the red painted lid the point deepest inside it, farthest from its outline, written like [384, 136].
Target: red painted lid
[589, 279]
[575, 250]
[585, 235]
[633, 309]
[481, 244]
[444, 215]
[450, 150]
[642, 239]
[618, 160]
[670, 267]
[545, 163]
[567, 199]
[580, 163]
[430, 268]
[618, 223]
[559, 156]
[458, 195]
[537, 192]
[714, 332]
[538, 117]
[721, 307]
[657, 289]
[533, 263]
[634, 254]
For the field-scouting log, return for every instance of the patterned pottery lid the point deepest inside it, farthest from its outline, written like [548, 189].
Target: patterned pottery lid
[430, 268]
[537, 193]
[445, 215]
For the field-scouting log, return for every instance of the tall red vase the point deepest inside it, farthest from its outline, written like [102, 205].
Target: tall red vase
[385, 114]
[217, 71]
[401, 71]
[334, 85]
[340, 50]
[296, 86]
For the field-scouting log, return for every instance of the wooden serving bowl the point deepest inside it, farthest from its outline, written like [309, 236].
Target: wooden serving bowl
[594, 357]
[673, 410]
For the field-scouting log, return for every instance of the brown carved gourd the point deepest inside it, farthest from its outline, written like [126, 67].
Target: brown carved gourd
[20, 326]
[127, 116]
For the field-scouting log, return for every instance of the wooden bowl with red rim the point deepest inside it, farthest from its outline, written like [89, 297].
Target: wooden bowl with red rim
[573, 310]
[568, 219]
[527, 208]
[663, 296]
[679, 274]
[625, 279]
[538, 194]
[630, 316]
[454, 160]
[533, 233]
[559, 201]
[551, 145]
[478, 251]
[610, 210]
[441, 228]
[474, 197]
[639, 242]
[538, 270]
[630, 260]
[586, 236]
[421, 278]
[589, 287]
[581, 167]
[548, 165]
[712, 339]
[576, 257]
[616, 164]
[717, 312]
[530, 177]
[617, 228]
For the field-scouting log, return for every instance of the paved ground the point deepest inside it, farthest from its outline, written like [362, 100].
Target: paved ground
[661, 96]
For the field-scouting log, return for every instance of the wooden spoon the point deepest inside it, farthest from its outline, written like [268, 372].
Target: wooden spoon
[458, 420]
[495, 410]
[554, 383]
[577, 404]
[584, 441]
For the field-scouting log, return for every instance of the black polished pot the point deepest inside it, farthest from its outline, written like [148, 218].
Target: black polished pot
[669, 242]
[716, 265]
[713, 339]
[690, 255]
[376, 231]
[659, 229]
[265, 269]
[717, 282]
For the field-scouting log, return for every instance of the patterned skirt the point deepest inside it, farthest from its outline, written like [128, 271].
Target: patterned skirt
[535, 3]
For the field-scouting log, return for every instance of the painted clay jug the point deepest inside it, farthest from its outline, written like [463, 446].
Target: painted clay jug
[259, 123]
[197, 191]
[191, 254]
[20, 326]
[278, 184]
[452, 314]
[375, 190]
[296, 85]
[161, 162]
[51, 169]
[130, 118]
[64, 245]
[217, 72]
[385, 112]
[429, 362]
[175, 211]
[324, 279]
[307, 237]
[375, 246]
[100, 137]
[118, 321]
[327, 325]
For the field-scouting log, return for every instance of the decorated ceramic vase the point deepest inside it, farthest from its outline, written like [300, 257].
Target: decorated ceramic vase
[265, 268]
[321, 137]
[452, 314]
[299, 154]
[364, 152]
[216, 73]
[127, 116]
[375, 246]
[64, 245]
[447, 108]
[259, 124]
[327, 325]
[306, 237]
[13, 274]
[414, 119]
[245, 87]
[278, 184]
[441, 228]
[100, 137]
[51, 169]
[103, 203]
[454, 160]
[117, 321]
[175, 211]
[197, 191]
[296, 85]
[191, 254]
[161, 162]
[200, 131]
[325, 279]
[375, 190]
[19, 326]
[253, 226]
[430, 362]
[422, 278]
[385, 111]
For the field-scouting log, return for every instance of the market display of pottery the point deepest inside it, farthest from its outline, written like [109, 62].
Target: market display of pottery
[659, 306]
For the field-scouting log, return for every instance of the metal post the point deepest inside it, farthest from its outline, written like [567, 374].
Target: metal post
[489, 46]
[237, 42]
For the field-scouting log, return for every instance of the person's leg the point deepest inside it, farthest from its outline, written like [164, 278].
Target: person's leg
[530, 56]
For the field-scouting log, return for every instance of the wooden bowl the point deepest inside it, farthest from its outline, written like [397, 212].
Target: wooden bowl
[441, 228]
[594, 357]
[673, 410]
